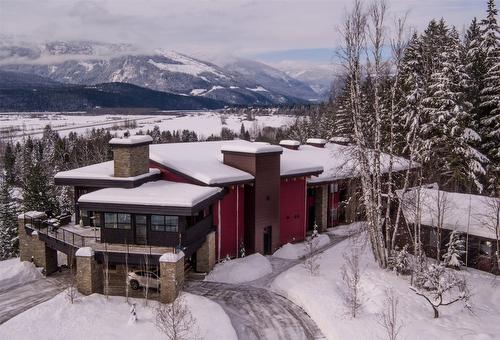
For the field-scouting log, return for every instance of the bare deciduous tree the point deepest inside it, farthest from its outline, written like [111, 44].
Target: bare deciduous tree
[440, 286]
[389, 318]
[350, 289]
[176, 321]
[71, 289]
[311, 262]
[491, 219]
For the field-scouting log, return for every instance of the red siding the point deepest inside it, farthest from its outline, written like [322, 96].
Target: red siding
[232, 222]
[293, 210]
[170, 176]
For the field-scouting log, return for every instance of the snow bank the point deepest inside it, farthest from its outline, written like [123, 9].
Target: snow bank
[14, 272]
[320, 298]
[245, 269]
[94, 317]
[297, 250]
[347, 229]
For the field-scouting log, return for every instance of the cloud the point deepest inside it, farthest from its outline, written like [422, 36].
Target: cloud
[204, 27]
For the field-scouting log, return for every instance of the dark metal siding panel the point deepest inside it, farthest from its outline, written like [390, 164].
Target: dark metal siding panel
[106, 183]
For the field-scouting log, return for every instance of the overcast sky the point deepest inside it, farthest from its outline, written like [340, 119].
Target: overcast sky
[269, 29]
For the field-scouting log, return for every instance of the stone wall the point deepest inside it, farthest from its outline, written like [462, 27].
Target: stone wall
[322, 207]
[130, 161]
[35, 250]
[171, 276]
[205, 256]
[89, 278]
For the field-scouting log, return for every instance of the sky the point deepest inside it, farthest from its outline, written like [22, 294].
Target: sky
[269, 30]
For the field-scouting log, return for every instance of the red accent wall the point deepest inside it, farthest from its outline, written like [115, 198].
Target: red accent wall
[232, 218]
[170, 176]
[293, 210]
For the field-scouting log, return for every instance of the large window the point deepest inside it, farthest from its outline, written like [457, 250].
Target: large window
[164, 223]
[117, 221]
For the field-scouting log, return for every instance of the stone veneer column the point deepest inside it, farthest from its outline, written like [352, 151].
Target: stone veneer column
[35, 250]
[171, 276]
[205, 256]
[88, 272]
[321, 214]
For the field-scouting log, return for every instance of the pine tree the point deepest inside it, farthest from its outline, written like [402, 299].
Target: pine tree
[9, 242]
[455, 250]
[490, 97]
[9, 161]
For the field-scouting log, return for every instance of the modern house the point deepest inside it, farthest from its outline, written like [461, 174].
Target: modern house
[440, 213]
[194, 203]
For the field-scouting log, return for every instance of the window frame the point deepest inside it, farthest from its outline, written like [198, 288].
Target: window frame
[116, 223]
[168, 223]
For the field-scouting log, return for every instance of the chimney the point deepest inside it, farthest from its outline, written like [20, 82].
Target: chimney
[290, 144]
[262, 198]
[131, 155]
[317, 142]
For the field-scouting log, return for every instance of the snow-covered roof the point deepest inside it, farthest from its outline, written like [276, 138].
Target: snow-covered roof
[100, 171]
[199, 160]
[203, 161]
[289, 142]
[131, 140]
[316, 141]
[454, 208]
[159, 193]
[32, 214]
[247, 147]
[337, 161]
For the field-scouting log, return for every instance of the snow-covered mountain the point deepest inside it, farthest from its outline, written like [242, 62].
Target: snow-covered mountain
[271, 78]
[88, 63]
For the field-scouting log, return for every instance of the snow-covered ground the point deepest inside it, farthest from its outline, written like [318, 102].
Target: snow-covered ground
[13, 272]
[347, 229]
[297, 250]
[203, 123]
[320, 298]
[240, 270]
[94, 317]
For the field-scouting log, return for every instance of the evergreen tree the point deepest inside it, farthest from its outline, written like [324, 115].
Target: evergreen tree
[490, 97]
[9, 161]
[455, 250]
[9, 241]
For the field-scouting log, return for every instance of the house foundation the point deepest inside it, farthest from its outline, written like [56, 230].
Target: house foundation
[171, 276]
[89, 279]
[34, 250]
[205, 256]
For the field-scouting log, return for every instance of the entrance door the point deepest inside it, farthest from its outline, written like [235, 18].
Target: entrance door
[268, 237]
[141, 229]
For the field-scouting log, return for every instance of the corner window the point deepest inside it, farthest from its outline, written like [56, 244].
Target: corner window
[164, 223]
[117, 221]
[486, 248]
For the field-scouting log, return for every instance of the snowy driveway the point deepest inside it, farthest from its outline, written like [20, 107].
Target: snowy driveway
[255, 311]
[18, 299]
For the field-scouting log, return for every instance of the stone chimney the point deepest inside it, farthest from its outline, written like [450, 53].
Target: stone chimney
[131, 155]
[317, 142]
[262, 198]
[290, 144]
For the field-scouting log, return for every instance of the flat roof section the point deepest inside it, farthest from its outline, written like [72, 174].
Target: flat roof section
[159, 197]
[101, 175]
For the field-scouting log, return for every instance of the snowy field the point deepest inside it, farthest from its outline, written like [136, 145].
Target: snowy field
[203, 123]
[297, 250]
[94, 317]
[14, 272]
[320, 298]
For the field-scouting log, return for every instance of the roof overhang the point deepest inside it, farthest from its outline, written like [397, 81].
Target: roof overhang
[106, 183]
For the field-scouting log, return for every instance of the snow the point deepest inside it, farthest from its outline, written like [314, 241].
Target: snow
[347, 229]
[13, 272]
[245, 269]
[197, 92]
[95, 317]
[31, 214]
[171, 257]
[184, 64]
[159, 193]
[254, 148]
[258, 89]
[289, 142]
[320, 298]
[84, 252]
[294, 251]
[316, 141]
[138, 139]
[456, 211]
[101, 171]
